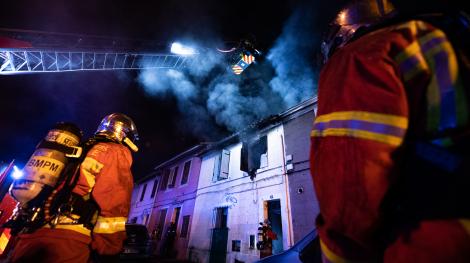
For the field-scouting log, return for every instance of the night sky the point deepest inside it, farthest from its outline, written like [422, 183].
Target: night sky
[174, 110]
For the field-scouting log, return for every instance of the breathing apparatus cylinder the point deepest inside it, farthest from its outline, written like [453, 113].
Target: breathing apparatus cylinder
[45, 166]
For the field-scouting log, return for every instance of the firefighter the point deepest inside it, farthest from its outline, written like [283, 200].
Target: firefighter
[91, 225]
[389, 145]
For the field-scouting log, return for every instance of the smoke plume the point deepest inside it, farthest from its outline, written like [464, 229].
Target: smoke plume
[211, 96]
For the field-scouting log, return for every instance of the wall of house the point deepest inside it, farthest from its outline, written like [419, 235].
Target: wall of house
[244, 198]
[304, 204]
[182, 196]
[141, 210]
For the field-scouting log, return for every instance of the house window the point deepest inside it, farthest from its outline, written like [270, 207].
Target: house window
[221, 166]
[154, 189]
[185, 226]
[236, 245]
[145, 219]
[172, 180]
[221, 214]
[254, 155]
[161, 223]
[252, 241]
[263, 160]
[184, 178]
[165, 176]
[175, 217]
[143, 192]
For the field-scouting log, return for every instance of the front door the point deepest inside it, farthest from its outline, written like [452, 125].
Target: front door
[274, 216]
[219, 236]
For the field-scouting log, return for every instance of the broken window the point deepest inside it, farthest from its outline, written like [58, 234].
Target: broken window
[254, 156]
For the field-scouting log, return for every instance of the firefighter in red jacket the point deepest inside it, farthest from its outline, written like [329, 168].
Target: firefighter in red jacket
[105, 180]
[390, 139]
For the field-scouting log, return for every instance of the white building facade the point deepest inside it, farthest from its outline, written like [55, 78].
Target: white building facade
[244, 180]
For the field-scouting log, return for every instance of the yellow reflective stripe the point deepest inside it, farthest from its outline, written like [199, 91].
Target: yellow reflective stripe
[466, 225]
[436, 33]
[4, 239]
[109, 225]
[389, 139]
[394, 120]
[411, 50]
[332, 257]
[384, 128]
[89, 168]
[421, 65]
[442, 46]
[77, 228]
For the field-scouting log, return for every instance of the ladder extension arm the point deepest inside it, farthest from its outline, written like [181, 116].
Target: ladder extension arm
[27, 60]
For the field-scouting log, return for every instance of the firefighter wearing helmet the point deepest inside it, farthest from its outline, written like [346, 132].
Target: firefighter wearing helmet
[91, 224]
[390, 144]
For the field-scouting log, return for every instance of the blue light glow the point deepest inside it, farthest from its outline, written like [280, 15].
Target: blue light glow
[178, 48]
[17, 173]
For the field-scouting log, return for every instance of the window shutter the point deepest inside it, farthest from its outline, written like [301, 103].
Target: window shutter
[143, 192]
[174, 174]
[184, 178]
[164, 182]
[215, 175]
[224, 164]
[154, 190]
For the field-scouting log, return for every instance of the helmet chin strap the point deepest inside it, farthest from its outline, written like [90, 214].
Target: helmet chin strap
[130, 144]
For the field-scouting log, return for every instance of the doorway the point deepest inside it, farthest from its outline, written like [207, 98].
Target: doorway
[273, 208]
[219, 236]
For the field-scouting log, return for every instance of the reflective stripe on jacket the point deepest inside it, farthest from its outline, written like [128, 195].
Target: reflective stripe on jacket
[393, 82]
[106, 174]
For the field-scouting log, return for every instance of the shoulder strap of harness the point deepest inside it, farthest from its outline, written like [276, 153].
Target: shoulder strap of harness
[63, 199]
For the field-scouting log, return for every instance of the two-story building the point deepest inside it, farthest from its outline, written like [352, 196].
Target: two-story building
[164, 202]
[258, 174]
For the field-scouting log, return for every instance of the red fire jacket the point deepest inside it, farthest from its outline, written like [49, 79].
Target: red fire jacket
[372, 92]
[105, 176]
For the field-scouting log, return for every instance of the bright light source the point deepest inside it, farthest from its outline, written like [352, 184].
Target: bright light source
[177, 48]
[17, 173]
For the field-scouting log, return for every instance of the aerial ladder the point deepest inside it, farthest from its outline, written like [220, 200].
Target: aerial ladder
[25, 51]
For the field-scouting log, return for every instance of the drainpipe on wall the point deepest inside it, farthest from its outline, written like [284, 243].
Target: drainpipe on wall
[286, 180]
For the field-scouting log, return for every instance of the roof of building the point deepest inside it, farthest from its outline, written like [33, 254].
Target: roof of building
[193, 151]
[261, 125]
[264, 124]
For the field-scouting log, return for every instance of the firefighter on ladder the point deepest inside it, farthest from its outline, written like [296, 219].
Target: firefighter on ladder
[105, 181]
[390, 143]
